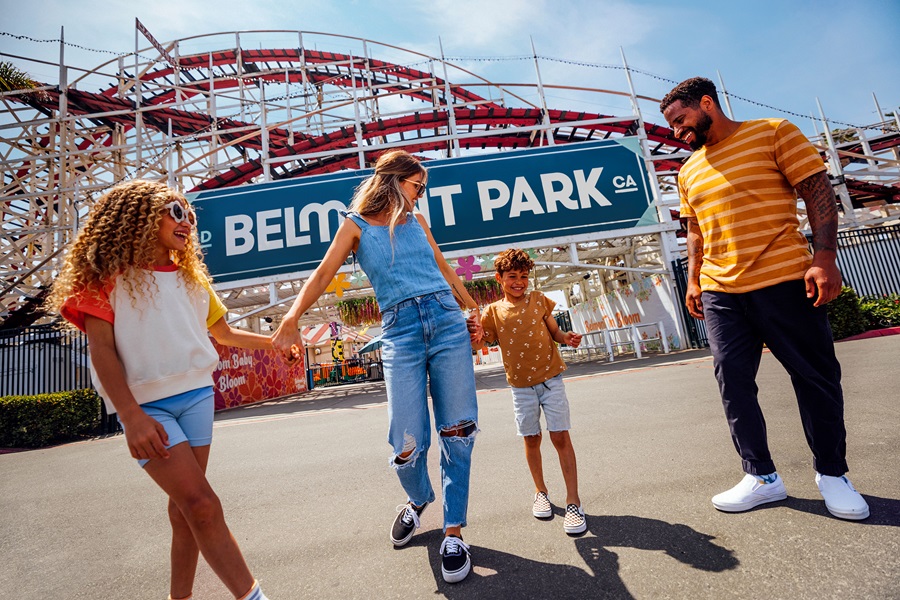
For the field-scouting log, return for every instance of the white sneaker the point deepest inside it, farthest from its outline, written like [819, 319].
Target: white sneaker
[750, 492]
[841, 498]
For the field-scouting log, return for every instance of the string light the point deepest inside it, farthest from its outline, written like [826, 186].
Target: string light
[71, 45]
[499, 59]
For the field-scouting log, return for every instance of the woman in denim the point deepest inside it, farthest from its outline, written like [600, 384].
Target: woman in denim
[425, 341]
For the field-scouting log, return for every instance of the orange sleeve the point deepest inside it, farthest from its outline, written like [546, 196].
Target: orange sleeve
[88, 302]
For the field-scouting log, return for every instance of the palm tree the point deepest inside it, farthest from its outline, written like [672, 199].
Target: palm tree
[841, 135]
[14, 79]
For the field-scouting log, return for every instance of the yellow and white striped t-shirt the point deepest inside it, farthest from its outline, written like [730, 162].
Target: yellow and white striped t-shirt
[741, 191]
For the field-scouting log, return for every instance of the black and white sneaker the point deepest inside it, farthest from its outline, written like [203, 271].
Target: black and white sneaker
[541, 509]
[455, 562]
[574, 521]
[406, 523]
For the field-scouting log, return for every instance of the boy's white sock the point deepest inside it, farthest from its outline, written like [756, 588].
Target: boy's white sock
[255, 593]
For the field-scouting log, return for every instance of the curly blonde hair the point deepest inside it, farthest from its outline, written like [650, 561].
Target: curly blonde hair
[382, 192]
[120, 239]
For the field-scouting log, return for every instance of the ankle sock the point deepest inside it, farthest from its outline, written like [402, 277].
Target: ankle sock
[255, 593]
[770, 478]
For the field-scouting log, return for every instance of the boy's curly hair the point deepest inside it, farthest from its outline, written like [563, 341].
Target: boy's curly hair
[513, 259]
[120, 238]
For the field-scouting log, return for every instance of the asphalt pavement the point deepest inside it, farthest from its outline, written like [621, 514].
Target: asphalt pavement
[309, 495]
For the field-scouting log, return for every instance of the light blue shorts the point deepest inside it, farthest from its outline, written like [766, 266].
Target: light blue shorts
[549, 396]
[186, 417]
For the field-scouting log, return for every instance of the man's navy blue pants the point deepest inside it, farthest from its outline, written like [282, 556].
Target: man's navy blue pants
[799, 336]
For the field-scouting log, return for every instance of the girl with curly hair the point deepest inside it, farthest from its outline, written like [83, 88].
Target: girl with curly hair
[134, 282]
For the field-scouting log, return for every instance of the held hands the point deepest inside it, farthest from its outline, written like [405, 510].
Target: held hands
[570, 338]
[823, 279]
[296, 353]
[286, 341]
[473, 324]
[145, 436]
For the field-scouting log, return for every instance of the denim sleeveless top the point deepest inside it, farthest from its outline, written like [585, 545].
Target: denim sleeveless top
[405, 269]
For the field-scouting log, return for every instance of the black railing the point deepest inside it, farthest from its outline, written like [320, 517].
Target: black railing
[869, 260]
[42, 359]
[696, 328]
[564, 321]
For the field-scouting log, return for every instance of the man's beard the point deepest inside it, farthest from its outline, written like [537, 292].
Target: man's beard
[701, 132]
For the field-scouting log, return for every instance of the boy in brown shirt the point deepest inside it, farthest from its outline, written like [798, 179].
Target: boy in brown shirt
[524, 326]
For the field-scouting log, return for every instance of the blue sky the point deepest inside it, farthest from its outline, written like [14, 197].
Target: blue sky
[780, 53]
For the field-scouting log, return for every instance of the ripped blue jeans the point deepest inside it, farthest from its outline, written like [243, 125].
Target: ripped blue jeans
[426, 348]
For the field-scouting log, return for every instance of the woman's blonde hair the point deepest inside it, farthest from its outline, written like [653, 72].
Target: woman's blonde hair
[382, 192]
[120, 239]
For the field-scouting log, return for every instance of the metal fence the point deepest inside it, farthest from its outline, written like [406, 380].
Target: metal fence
[696, 328]
[869, 261]
[42, 360]
[354, 370]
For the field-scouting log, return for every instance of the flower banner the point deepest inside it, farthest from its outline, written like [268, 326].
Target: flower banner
[247, 376]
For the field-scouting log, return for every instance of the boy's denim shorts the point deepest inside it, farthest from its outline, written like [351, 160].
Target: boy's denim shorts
[549, 396]
[186, 417]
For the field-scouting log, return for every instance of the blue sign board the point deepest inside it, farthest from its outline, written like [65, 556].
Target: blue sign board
[498, 199]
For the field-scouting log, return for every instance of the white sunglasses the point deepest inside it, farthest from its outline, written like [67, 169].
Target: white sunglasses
[180, 213]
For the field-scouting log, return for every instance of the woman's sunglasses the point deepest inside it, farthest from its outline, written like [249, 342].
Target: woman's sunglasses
[178, 212]
[420, 187]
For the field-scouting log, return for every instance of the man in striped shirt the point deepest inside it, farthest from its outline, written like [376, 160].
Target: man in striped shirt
[753, 280]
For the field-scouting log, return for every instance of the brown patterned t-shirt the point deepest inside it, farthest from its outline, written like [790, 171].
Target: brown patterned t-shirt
[530, 356]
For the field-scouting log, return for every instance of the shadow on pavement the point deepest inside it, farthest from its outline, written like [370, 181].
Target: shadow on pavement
[884, 511]
[499, 574]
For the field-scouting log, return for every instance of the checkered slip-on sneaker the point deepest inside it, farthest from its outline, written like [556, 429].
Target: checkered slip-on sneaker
[541, 508]
[575, 521]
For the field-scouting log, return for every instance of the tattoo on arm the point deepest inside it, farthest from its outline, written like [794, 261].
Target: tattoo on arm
[694, 248]
[821, 209]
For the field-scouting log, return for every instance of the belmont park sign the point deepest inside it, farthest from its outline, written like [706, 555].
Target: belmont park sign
[473, 204]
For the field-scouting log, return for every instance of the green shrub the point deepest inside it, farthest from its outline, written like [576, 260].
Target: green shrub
[35, 421]
[845, 314]
[881, 312]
